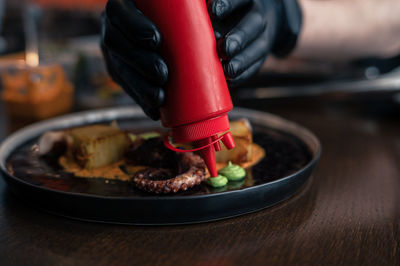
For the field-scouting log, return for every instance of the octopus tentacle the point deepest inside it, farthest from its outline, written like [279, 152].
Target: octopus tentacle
[168, 171]
[194, 176]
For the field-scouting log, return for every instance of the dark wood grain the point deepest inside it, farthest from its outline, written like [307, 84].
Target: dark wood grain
[349, 212]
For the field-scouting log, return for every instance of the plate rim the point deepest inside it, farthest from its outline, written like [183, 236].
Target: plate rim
[13, 141]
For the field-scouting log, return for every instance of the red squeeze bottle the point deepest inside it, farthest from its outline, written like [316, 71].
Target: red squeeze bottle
[197, 98]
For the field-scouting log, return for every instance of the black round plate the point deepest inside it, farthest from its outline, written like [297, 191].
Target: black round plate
[292, 153]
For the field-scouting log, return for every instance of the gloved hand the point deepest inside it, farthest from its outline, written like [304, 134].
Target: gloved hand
[129, 42]
[246, 31]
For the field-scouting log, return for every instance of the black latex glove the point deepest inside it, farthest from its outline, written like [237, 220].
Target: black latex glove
[246, 31]
[129, 42]
[243, 38]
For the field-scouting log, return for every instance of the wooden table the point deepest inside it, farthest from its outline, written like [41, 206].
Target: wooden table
[349, 212]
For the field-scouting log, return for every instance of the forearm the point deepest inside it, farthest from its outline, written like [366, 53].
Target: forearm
[345, 30]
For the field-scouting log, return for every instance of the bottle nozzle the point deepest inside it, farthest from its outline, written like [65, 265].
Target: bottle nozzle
[228, 141]
[217, 145]
[207, 147]
[208, 155]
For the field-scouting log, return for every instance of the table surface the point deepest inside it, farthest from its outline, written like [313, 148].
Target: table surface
[348, 213]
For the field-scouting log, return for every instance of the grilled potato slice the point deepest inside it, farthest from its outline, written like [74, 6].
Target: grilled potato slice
[241, 132]
[97, 145]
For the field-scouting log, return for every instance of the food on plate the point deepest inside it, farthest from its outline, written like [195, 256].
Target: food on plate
[89, 147]
[218, 181]
[241, 132]
[97, 145]
[149, 135]
[233, 172]
[52, 143]
[105, 151]
[246, 153]
[165, 170]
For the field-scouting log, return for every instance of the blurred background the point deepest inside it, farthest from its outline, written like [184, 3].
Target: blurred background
[51, 63]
